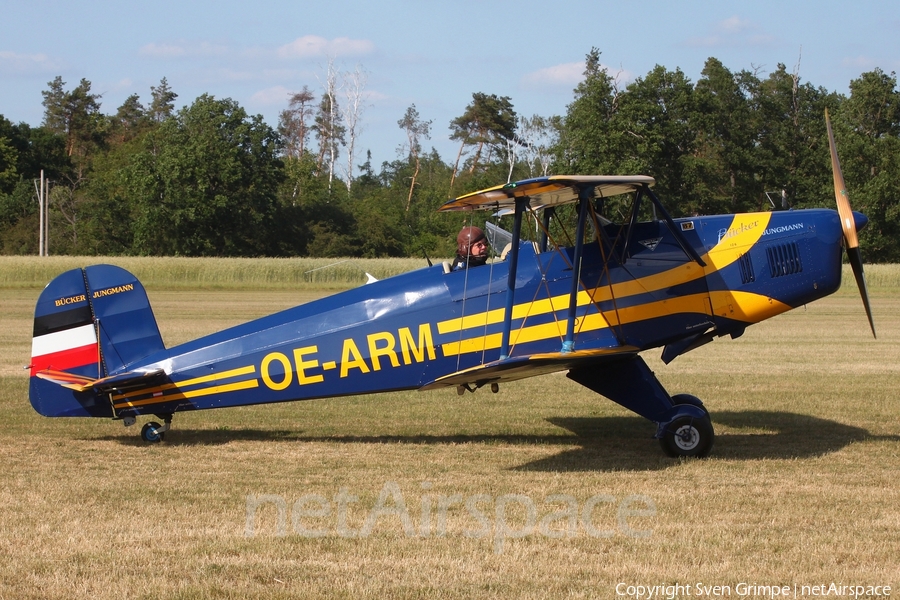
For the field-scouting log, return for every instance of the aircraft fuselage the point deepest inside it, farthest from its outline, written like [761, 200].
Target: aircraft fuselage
[404, 332]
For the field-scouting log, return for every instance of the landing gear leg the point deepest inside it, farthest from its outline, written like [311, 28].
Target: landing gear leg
[153, 432]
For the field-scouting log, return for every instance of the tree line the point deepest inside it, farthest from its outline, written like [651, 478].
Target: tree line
[212, 180]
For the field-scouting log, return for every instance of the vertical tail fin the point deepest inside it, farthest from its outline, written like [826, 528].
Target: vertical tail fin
[88, 323]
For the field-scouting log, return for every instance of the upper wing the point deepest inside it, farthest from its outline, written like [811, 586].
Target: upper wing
[520, 367]
[548, 191]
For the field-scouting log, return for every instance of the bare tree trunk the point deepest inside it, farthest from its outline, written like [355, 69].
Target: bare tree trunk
[355, 84]
[512, 144]
[412, 184]
[332, 148]
[330, 136]
[476, 157]
[415, 130]
[456, 164]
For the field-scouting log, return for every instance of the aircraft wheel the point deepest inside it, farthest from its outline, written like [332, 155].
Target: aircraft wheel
[150, 434]
[688, 436]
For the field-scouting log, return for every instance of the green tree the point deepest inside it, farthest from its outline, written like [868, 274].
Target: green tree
[108, 209]
[538, 135]
[12, 207]
[129, 121]
[489, 120]
[32, 150]
[294, 123]
[873, 109]
[726, 142]
[206, 183]
[162, 105]
[75, 116]
[328, 127]
[37, 148]
[655, 115]
[792, 150]
[588, 142]
[8, 159]
[301, 191]
[868, 136]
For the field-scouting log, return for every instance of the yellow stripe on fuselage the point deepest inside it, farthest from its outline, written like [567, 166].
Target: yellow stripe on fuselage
[520, 311]
[122, 399]
[744, 231]
[740, 306]
[534, 333]
[219, 389]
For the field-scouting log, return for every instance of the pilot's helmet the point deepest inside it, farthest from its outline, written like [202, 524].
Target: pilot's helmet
[468, 237]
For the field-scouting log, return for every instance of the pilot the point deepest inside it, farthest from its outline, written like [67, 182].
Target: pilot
[471, 249]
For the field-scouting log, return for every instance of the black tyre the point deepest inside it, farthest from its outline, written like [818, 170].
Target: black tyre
[688, 436]
[150, 434]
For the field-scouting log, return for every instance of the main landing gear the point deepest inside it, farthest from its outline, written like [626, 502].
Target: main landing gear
[152, 432]
[683, 424]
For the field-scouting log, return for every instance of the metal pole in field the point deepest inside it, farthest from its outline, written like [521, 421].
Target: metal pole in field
[46, 217]
[41, 210]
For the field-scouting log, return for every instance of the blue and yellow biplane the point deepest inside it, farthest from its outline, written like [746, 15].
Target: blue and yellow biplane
[589, 308]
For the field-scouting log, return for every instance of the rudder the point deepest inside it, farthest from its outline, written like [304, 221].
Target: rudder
[122, 314]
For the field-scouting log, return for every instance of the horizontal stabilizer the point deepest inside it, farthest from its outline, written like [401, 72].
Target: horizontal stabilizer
[122, 381]
[66, 380]
[520, 367]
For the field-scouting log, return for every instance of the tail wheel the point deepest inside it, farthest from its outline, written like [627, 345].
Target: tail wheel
[688, 436]
[150, 432]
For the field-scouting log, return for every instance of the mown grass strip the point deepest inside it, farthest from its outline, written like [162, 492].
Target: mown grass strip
[213, 273]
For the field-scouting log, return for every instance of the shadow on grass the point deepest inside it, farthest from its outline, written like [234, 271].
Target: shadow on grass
[209, 437]
[604, 443]
[621, 443]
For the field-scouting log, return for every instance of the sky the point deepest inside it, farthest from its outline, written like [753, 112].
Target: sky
[431, 54]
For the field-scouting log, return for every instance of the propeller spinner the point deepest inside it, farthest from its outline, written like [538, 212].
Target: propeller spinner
[851, 240]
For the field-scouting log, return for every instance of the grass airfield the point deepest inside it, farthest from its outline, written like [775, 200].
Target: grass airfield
[544, 490]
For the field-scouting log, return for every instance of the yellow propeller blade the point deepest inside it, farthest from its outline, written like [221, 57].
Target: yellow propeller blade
[840, 191]
[848, 223]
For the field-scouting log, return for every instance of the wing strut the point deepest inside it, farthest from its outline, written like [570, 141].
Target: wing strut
[547, 214]
[676, 232]
[521, 204]
[584, 196]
